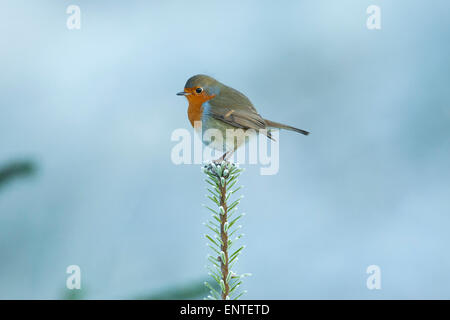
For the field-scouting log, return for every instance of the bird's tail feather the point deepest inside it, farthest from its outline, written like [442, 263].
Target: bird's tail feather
[274, 124]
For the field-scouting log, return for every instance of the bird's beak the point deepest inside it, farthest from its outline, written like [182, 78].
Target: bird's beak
[183, 93]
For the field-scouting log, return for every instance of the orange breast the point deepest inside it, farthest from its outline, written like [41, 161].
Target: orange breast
[195, 111]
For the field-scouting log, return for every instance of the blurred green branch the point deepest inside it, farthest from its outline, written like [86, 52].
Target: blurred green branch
[192, 290]
[16, 169]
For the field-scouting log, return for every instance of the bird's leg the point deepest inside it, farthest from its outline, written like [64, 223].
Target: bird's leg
[225, 156]
[222, 158]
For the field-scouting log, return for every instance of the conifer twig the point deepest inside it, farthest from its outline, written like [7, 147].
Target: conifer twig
[221, 179]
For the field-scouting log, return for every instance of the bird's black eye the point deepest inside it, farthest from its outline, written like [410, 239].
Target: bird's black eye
[199, 90]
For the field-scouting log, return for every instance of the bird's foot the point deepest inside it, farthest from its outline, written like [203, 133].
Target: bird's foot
[223, 158]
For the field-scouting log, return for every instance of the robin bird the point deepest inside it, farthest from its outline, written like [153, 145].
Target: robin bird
[220, 107]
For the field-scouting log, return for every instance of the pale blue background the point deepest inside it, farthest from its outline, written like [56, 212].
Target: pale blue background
[95, 109]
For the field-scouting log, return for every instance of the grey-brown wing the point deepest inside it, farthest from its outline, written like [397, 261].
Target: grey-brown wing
[237, 118]
[239, 113]
[233, 107]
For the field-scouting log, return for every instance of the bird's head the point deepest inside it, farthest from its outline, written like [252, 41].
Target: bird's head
[200, 88]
